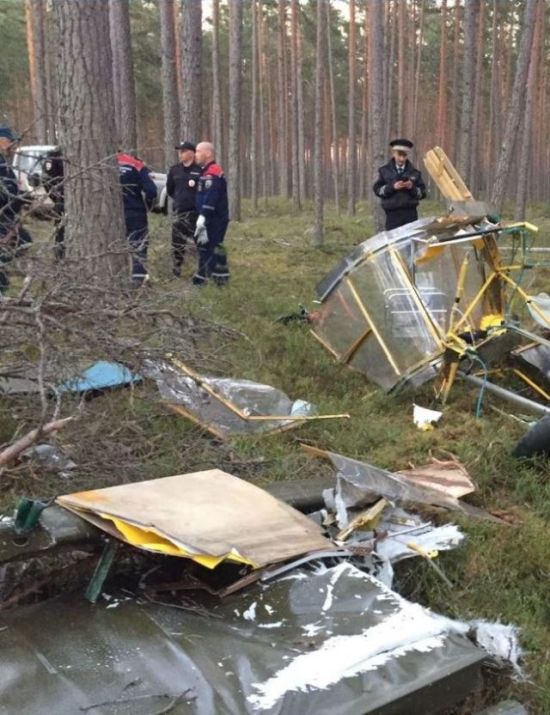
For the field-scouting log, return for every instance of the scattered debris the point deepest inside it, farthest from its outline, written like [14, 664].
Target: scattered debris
[507, 707]
[421, 301]
[15, 449]
[425, 419]
[101, 375]
[208, 517]
[50, 457]
[447, 476]
[225, 406]
[321, 639]
[359, 483]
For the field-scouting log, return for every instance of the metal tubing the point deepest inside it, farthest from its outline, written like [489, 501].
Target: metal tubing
[506, 394]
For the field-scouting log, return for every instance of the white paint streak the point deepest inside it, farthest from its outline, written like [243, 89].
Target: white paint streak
[311, 629]
[271, 625]
[411, 628]
[250, 613]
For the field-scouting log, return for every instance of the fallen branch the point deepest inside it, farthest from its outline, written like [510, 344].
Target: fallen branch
[20, 445]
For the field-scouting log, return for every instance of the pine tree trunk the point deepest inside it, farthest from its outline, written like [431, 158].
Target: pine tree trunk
[442, 90]
[169, 80]
[352, 138]
[401, 73]
[254, 113]
[494, 104]
[123, 74]
[452, 139]
[263, 115]
[318, 231]
[235, 73]
[296, 197]
[335, 152]
[471, 10]
[389, 81]
[418, 68]
[478, 133]
[191, 47]
[513, 118]
[301, 112]
[376, 93]
[282, 106]
[95, 234]
[525, 153]
[217, 131]
[35, 11]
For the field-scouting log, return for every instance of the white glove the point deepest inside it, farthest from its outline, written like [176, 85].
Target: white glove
[201, 236]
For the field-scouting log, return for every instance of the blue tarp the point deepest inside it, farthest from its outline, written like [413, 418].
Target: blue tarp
[101, 375]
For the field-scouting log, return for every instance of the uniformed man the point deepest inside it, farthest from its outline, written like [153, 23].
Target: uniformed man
[138, 194]
[13, 237]
[212, 220]
[400, 186]
[181, 186]
[53, 176]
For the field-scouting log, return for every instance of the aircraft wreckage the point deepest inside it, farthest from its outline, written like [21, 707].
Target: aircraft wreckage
[441, 298]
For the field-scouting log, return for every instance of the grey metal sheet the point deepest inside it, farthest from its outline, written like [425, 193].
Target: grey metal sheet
[257, 652]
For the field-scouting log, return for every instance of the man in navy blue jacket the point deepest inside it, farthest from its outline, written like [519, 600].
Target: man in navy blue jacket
[138, 194]
[212, 220]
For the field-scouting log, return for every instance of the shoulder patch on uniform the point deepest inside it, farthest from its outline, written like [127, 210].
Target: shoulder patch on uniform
[130, 161]
[214, 170]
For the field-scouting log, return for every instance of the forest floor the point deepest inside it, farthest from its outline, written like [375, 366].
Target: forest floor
[502, 572]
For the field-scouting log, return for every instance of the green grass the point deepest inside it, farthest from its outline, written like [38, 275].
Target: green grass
[501, 573]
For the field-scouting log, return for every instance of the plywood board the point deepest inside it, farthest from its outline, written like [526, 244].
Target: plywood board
[205, 513]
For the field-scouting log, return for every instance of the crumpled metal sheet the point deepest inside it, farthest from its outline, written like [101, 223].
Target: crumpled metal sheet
[334, 640]
[360, 483]
[251, 398]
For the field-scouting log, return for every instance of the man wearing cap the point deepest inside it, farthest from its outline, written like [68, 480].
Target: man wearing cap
[138, 194]
[400, 186]
[12, 236]
[181, 186]
[213, 219]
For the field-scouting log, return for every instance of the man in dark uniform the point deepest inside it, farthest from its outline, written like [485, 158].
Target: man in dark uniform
[53, 176]
[400, 186]
[181, 186]
[213, 219]
[138, 194]
[13, 237]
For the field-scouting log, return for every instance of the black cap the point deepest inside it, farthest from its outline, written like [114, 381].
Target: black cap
[401, 144]
[182, 146]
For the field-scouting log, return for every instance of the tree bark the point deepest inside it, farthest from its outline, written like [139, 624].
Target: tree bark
[35, 12]
[191, 48]
[352, 138]
[376, 93]
[335, 152]
[526, 153]
[254, 111]
[217, 130]
[318, 230]
[471, 10]
[401, 60]
[452, 139]
[235, 73]
[442, 90]
[300, 107]
[296, 195]
[169, 80]
[418, 68]
[95, 234]
[513, 119]
[282, 107]
[478, 129]
[123, 74]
